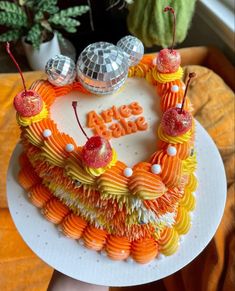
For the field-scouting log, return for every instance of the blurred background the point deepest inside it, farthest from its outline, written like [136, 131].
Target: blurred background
[212, 24]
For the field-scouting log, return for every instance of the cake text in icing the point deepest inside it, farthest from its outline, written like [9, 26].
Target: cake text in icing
[122, 127]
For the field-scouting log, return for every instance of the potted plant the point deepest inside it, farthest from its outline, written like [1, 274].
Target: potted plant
[37, 23]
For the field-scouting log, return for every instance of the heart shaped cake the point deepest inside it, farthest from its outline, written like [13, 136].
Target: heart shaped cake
[127, 187]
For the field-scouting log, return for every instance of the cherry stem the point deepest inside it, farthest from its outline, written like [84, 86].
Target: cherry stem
[17, 65]
[168, 8]
[74, 104]
[190, 76]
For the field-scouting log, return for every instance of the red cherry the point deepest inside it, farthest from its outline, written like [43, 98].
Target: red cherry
[168, 61]
[176, 122]
[28, 103]
[97, 152]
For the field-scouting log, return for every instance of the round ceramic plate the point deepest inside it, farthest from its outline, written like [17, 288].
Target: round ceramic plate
[72, 259]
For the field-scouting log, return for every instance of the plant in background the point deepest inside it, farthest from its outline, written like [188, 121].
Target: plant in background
[37, 20]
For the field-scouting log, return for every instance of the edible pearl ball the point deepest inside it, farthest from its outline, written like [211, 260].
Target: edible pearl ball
[178, 105]
[128, 172]
[156, 169]
[69, 147]
[171, 151]
[47, 133]
[174, 88]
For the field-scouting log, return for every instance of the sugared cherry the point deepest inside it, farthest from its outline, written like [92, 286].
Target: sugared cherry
[168, 60]
[28, 103]
[175, 122]
[97, 152]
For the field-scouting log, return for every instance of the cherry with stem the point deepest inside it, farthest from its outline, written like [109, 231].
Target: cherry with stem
[74, 104]
[190, 76]
[17, 65]
[172, 11]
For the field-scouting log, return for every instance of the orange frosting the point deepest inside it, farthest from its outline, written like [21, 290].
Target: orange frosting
[162, 88]
[23, 160]
[45, 90]
[54, 210]
[118, 248]
[63, 90]
[146, 184]
[171, 168]
[39, 195]
[144, 250]
[94, 238]
[73, 226]
[183, 149]
[27, 177]
[171, 99]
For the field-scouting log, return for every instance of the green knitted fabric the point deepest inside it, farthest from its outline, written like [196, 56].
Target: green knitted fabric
[148, 22]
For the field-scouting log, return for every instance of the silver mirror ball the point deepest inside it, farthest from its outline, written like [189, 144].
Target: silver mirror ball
[102, 68]
[60, 70]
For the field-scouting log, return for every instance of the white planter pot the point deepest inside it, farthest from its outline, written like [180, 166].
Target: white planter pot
[38, 58]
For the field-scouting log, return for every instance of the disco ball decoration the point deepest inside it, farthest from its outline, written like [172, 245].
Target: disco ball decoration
[132, 48]
[60, 70]
[102, 68]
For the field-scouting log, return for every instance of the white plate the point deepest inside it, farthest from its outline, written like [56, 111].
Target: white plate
[68, 257]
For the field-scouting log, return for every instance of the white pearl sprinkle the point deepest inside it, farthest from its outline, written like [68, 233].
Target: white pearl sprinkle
[183, 87]
[171, 151]
[128, 172]
[47, 133]
[174, 88]
[69, 147]
[178, 105]
[156, 169]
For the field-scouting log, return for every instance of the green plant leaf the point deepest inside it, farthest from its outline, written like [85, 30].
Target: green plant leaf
[34, 35]
[73, 11]
[70, 29]
[12, 20]
[63, 21]
[38, 16]
[12, 8]
[49, 6]
[10, 35]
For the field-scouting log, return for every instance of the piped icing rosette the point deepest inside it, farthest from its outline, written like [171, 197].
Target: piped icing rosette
[144, 250]
[26, 121]
[174, 139]
[162, 88]
[27, 177]
[169, 242]
[73, 226]
[113, 183]
[188, 201]
[118, 248]
[37, 132]
[182, 221]
[54, 149]
[183, 149]
[39, 195]
[94, 238]
[96, 172]
[46, 91]
[55, 211]
[167, 77]
[145, 184]
[171, 168]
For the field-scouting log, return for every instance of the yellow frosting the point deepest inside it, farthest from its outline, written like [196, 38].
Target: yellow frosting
[192, 183]
[183, 221]
[188, 201]
[190, 164]
[165, 78]
[169, 242]
[174, 139]
[26, 121]
[96, 172]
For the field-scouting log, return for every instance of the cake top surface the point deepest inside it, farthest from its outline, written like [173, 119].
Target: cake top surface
[131, 148]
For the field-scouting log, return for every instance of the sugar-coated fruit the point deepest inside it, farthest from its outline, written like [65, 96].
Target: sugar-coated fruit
[175, 122]
[97, 152]
[28, 103]
[168, 61]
